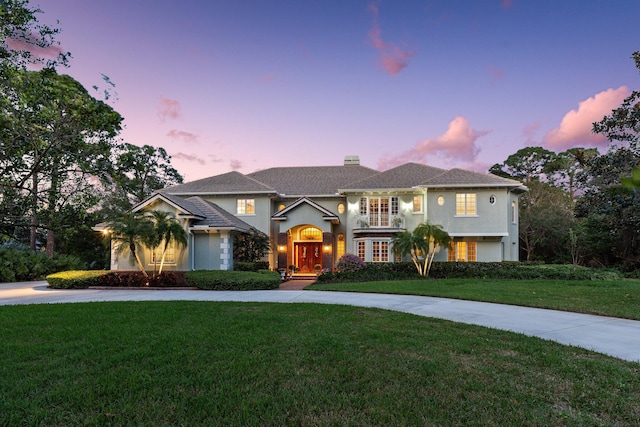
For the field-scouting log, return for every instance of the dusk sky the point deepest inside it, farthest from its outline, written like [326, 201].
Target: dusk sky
[245, 85]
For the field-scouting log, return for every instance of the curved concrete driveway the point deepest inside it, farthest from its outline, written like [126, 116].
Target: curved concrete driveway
[616, 337]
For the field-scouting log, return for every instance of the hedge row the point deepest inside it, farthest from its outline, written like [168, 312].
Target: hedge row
[215, 280]
[75, 279]
[470, 270]
[21, 265]
[251, 266]
[233, 280]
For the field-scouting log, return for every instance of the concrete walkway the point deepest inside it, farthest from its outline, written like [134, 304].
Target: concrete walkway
[615, 337]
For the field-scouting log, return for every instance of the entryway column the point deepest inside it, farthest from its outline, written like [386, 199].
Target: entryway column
[327, 251]
[282, 251]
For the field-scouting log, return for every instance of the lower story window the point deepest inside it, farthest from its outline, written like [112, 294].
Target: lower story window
[463, 252]
[380, 251]
[361, 250]
[340, 246]
[169, 255]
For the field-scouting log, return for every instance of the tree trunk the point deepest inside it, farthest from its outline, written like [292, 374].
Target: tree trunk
[33, 228]
[50, 243]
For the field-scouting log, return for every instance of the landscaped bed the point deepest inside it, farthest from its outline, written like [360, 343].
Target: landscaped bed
[204, 279]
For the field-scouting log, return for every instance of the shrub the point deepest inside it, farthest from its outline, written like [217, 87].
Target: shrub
[75, 279]
[349, 263]
[124, 279]
[18, 264]
[250, 266]
[372, 272]
[233, 280]
[86, 278]
[471, 270]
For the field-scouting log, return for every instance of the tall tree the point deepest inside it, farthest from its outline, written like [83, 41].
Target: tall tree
[24, 40]
[545, 219]
[525, 165]
[56, 139]
[565, 168]
[623, 124]
[137, 173]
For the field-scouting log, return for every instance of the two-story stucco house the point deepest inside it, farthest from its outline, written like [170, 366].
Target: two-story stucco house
[314, 215]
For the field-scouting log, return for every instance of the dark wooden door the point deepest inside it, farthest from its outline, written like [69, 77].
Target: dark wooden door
[307, 256]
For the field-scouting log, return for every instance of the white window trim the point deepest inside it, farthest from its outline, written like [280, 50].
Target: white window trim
[158, 250]
[421, 211]
[245, 207]
[466, 215]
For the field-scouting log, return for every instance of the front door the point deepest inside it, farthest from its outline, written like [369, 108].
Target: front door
[308, 255]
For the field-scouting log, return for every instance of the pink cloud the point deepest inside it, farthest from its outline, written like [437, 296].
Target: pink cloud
[495, 72]
[392, 58]
[168, 109]
[185, 137]
[458, 142]
[575, 127]
[188, 157]
[506, 4]
[268, 78]
[529, 132]
[235, 164]
[28, 43]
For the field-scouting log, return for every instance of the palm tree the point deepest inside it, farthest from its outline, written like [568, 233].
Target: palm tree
[422, 244]
[129, 231]
[166, 229]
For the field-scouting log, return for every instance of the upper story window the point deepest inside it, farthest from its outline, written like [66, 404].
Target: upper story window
[513, 212]
[379, 210]
[246, 207]
[466, 204]
[417, 204]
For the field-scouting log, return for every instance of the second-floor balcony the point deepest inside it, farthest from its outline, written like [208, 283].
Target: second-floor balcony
[374, 222]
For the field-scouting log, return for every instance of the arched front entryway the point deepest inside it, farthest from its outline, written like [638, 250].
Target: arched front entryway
[306, 247]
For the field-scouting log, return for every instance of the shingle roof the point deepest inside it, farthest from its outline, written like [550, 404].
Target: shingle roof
[215, 216]
[461, 177]
[312, 180]
[330, 180]
[403, 176]
[231, 182]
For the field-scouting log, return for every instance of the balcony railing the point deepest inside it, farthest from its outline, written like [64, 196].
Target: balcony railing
[377, 221]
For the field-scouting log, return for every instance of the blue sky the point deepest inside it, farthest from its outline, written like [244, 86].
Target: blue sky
[246, 85]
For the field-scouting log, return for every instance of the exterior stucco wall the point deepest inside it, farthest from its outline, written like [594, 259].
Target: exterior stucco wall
[206, 249]
[262, 217]
[489, 220]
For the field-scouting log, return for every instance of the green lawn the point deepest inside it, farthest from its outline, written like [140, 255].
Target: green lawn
[618, 298]
[250, 364]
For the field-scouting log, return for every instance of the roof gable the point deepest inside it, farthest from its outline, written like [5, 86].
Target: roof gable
[327, 215]
[184, 207]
